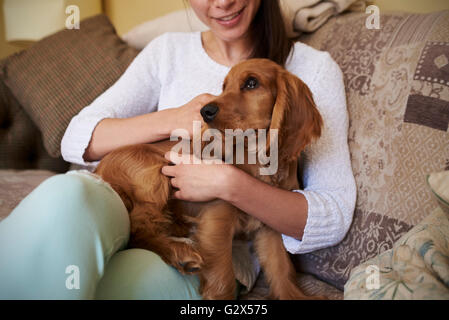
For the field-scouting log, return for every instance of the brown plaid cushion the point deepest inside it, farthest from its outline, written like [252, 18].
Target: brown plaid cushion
[21, 145]
[61, 74]
[397, 84]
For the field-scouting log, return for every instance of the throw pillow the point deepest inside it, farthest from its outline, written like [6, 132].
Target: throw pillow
[61, 74]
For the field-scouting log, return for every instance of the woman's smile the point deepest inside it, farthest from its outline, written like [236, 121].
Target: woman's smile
[230, 20]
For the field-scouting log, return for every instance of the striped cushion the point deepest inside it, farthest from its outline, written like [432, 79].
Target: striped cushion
[61, 74]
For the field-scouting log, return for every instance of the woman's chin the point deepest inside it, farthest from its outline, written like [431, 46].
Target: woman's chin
[230, 35]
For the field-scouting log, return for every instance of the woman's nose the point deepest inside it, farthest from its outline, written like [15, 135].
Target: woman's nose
[209, 112]
[224, 4]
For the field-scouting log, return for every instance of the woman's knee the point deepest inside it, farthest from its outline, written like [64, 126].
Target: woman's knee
[142, 274]
[68, 203]
[72, 189]
[81, 195]
[73, 220]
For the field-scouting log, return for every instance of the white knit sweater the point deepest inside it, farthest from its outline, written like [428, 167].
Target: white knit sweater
[174, 68]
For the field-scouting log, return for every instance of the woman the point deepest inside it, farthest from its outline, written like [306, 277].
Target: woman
[74, 226]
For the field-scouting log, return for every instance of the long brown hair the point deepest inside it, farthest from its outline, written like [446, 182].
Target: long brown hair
[270, 36]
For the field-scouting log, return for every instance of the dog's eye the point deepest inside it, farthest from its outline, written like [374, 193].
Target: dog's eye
[251, 83]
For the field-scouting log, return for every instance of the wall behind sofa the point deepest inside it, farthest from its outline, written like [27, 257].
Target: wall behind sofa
[126, 14]
[6, 48]
[87, 8]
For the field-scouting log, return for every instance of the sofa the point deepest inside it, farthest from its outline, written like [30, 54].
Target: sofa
[397, 84]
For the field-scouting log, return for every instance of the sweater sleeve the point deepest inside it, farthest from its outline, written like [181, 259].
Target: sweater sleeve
[329, 185]
[136, 92]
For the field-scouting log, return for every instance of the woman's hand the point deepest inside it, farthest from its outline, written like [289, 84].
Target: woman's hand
[282, 210]
[186, 114]
[197, 182]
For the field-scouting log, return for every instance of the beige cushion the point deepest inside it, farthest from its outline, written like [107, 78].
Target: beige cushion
[178, 21]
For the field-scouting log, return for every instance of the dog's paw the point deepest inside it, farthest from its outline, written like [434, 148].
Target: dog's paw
[185, 257]
[190, 263]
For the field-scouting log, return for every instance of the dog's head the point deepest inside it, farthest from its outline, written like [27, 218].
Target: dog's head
[259, 94]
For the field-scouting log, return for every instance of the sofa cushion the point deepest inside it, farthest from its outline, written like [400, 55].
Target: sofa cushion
[21, 145]
[61, 74]
[16, 185]
[397, 83]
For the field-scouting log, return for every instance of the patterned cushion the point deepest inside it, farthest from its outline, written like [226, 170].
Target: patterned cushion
[397, 81]
[61, 74]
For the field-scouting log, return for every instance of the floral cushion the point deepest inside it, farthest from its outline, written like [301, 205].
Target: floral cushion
[416, 268]
[418, 265]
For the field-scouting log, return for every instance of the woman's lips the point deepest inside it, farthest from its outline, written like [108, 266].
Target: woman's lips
[231, 19]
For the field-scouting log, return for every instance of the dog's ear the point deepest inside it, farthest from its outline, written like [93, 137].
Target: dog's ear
[295, 116]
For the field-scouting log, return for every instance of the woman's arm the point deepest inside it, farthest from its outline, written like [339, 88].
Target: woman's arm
[126, 114]
[282, 210]
[135, 93]
[112, 133]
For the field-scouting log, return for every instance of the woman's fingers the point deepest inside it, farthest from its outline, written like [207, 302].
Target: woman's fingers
[177, 195]
[169, 171]
[177, 158]
[174, 182]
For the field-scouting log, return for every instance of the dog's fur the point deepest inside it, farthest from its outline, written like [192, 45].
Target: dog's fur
[164, 225]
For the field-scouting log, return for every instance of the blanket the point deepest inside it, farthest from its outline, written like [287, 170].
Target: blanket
[309, 15]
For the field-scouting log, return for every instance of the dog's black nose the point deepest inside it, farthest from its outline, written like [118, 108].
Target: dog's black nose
[209, 112]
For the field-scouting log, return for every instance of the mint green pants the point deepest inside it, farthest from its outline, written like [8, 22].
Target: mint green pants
[67, 239]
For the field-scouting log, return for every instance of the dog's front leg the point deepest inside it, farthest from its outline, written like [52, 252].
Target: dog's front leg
[215, 232]
[277, 266]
